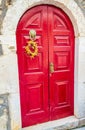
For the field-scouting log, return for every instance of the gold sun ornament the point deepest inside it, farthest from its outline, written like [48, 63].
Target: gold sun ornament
[31, 48]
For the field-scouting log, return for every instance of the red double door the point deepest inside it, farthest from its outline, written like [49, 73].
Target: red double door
[44, 95]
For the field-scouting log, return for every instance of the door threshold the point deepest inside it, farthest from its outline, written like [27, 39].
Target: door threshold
[61, 124]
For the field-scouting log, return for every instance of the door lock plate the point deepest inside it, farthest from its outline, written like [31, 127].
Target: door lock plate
[51, 67]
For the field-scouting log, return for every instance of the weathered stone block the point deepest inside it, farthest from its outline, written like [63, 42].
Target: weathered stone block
[1, 101]
[4, 112]
[82, 122]
[81, 3]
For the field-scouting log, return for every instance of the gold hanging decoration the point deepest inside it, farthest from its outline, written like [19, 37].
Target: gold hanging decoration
[31, 48]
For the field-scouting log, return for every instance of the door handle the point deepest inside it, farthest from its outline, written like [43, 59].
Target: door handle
[51, 67]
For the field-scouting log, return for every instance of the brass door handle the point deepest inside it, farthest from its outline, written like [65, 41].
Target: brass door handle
[51, 67]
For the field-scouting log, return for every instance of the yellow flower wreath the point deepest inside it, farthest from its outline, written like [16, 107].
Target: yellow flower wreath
[32, 44]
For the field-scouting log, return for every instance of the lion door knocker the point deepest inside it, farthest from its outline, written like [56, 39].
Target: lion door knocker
[31, 48]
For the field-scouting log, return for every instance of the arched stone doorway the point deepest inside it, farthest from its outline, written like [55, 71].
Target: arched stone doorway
[8, 39]
[47, 80]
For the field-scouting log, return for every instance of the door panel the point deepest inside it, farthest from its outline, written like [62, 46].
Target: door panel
[44, 95]
[62, 56]
[60, 48]
[34, 77]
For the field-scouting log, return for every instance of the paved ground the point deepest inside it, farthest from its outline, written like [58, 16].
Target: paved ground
[82, 128]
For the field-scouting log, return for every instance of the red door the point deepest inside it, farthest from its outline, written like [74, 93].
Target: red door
[46, 95]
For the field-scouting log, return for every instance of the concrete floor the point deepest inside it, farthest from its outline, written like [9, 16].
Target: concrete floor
[82, 128]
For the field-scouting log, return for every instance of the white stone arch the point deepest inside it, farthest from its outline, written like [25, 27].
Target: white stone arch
[75, 14]
[16, 10]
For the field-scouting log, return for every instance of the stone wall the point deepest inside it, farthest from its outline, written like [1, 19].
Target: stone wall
[4, 112]
[4, 4]
[81, 4]
[9, 83]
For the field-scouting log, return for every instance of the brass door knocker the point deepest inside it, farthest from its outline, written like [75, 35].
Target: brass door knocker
[32, 34]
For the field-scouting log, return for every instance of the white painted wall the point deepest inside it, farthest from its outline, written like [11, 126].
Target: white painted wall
[8, 62]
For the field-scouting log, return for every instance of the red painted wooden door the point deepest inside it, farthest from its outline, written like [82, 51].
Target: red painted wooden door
[61, 54]
[44, 95]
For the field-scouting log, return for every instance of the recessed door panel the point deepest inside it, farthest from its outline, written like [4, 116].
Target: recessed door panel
[61, 93]
[61, 60]
[47, 80]
[34, 92]
[61, 40]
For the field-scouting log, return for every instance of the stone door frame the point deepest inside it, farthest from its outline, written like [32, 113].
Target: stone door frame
[8, 37]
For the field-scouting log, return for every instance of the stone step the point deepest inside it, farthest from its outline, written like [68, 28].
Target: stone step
[82, 128]
[62, 124]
